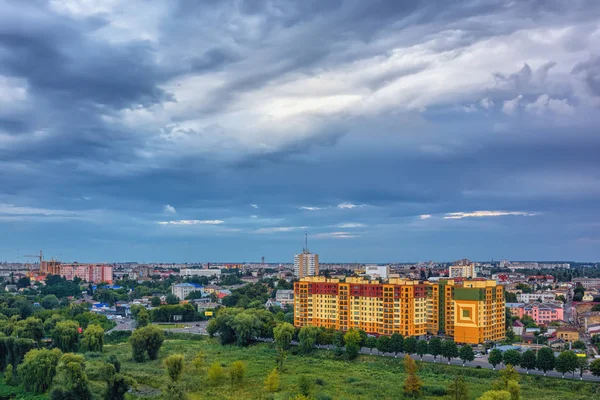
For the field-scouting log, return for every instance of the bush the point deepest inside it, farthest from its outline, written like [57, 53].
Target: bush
[237, 371]
[9, 377]
[320, 382]
[272, 381]
[216, 374]
[305, 385]
[146, 340]
[434, 391]
[324, 396]
[174, 365]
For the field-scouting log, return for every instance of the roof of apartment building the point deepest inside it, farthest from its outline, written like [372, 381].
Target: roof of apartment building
[542, 306]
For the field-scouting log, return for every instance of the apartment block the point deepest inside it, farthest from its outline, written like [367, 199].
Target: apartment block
[306, 264]
[470, 311]
[94, 273]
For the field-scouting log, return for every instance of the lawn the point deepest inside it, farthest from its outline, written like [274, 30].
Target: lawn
[368, 377]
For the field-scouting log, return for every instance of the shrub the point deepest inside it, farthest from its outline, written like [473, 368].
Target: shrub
[272, 381]
[216, 373]
[115, 337]
[237, 371]
[174, 365]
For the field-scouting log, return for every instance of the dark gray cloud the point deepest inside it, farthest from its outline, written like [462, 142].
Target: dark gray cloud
[401, 109]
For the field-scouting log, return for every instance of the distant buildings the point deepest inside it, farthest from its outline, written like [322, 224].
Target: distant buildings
[529, 297]
[541, 313]
[377, 271]
[587, 282]
[462, 269]
[201, 272]
[306, 264]
[284, 297]
[182, 290]
[94, 273]
[469, 311]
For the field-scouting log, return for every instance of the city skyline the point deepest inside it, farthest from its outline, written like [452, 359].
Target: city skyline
[222, 131]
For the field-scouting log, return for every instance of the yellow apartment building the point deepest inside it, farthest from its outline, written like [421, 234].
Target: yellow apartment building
[469, 311]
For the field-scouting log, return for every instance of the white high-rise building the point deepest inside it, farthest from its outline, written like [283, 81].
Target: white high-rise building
[462, 269]
[306, 264]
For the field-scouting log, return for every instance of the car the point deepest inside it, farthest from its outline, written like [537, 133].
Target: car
[478, 355]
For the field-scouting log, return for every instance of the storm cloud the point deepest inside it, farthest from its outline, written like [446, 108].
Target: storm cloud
[222, 130]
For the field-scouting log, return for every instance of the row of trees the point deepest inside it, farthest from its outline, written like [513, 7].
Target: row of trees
[545, 360]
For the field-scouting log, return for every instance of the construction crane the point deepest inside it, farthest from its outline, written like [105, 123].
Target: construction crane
[39, 257]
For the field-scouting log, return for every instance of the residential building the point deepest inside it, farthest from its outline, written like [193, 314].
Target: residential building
[462, 269]
[543, 313]
[517, 327]
[470, 311]
[285, 297]
[182, 290]
[529, 297]
[587, 282]
[200, 272]
[587, 297]
[306, 264]
[567, 333]
[377, 271]
[94, 273]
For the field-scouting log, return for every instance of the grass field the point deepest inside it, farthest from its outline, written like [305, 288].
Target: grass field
[368, 377]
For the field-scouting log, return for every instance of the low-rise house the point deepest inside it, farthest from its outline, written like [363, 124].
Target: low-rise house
[182, 290]
[567, 333]
[11, 288]
[285, 297]
[518, 327]
[272, 303]
[544, 313]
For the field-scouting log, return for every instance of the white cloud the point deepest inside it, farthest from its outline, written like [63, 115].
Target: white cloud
[545, 103]
[254, 205]
[349, 205]
[169, 209]
[511, 106]
[279, 229]
[337, 235]
[486, 103]
[425, 216]
[310, 208]
[479, 214]
[193, 222]
[470, 108]
[351, 225]
[254, 216]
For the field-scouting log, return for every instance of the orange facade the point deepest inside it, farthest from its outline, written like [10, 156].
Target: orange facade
[468, 311]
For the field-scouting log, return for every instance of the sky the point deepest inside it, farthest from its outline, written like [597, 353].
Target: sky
[184, 130]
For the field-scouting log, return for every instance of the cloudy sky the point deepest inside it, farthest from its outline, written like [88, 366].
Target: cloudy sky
[222, 130]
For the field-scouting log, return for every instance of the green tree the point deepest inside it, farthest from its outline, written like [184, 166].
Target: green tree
[495, 357]
[305, 384]
[566, 362]
[93, 338]
[458, 389]
[352, 340]
[216, 374]
[528, 360]
[435, 347]
[582, 366]
[283, 334]
[422, 348]
[371, 343]
[412, 383]
[237, 371]
[246, 326]
[155, 301]
[66, 336]
[9, 376]
[49, 302]
[383, 344]
[595, 367]
[396, 344]
[172, 299]
[142, 318]
[512, 357]
[272, 381]
[410, 345]
[117, 386]
[578, 345]
[449, 349]
[307, 338]
[72, 379]
[31, 328]
[147, 340]
[545, 360]
[466, 353]
[198, 361]
[38, 369]
[174, 365]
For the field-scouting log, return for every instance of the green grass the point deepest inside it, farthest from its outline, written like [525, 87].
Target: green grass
[368, 377]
